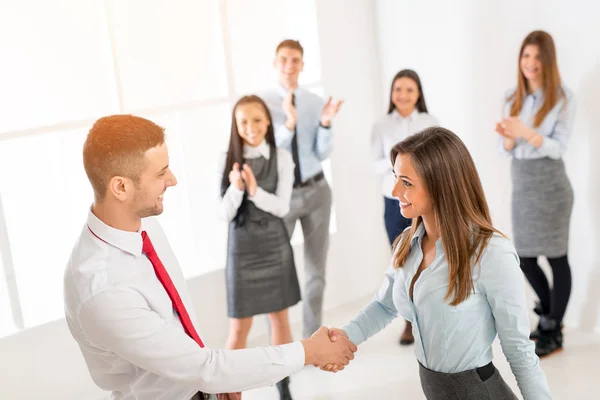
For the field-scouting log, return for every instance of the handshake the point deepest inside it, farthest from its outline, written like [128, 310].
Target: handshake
[329, 349]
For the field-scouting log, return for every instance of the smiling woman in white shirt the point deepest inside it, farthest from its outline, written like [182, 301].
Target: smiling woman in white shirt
[256, 190]
[407, 114]
[455, 277]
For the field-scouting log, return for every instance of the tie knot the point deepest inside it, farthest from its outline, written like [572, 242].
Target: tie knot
[147, 244]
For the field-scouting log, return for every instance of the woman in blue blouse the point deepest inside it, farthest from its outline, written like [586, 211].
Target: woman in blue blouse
[538, 117]
[455, 277]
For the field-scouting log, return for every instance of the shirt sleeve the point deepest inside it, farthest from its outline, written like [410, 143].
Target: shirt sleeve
[231, 200]
[377, 314]
[324, 142]
[555, 144]
[323, 145]
[120, 321]
[278, 203]
[381, 158]
[505, 111]
[503, 285]
[283, 136]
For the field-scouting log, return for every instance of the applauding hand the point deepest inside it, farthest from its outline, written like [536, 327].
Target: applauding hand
[513, 128]
[290, 112]
[249, 179]
[501, 129]
[330, 109]
[235, 177]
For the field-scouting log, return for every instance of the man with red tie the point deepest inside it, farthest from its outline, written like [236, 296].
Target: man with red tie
[126, 302]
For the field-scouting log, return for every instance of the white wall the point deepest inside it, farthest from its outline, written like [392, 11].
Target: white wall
[466, 53]
[44, 362]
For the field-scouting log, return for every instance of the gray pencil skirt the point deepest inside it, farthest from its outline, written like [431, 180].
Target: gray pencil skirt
[483, 383]
[542, 201]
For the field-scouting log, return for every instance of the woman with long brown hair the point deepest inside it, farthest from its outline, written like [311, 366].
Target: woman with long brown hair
[537, 123]
[256, 189]
[407, 113]
[454, 276]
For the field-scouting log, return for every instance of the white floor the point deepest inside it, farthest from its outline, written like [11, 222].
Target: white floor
[383, 369]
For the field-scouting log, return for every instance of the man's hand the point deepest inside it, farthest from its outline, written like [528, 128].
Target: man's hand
[334, 335]
[321, 351]
[330, 109]
[290, 112]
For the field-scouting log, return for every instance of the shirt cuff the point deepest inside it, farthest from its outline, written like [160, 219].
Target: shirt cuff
[259, 196]
[354, 333]
[550, 148]
[293, 355]
[235, 191]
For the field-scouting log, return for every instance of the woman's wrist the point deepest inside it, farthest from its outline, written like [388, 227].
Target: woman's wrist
[535, 139]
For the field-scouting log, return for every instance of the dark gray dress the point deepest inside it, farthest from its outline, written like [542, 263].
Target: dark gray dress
[261, 274]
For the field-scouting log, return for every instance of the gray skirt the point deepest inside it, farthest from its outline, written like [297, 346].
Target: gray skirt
[260, 273]
[542, 201]
[466, 385]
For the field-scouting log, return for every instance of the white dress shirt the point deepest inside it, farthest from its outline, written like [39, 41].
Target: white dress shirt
[277, 203]
[386, 132]
[132, 340]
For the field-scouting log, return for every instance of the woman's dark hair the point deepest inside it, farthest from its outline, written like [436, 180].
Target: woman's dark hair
[409, 73]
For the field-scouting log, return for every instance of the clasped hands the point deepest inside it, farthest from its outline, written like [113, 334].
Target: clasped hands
[513, 128]
[243, 178]
[329, 349]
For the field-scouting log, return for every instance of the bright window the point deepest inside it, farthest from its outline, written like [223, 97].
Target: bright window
[182, 64]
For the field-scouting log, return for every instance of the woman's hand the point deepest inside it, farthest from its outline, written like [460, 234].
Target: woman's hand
[235, 177]
[250, 180]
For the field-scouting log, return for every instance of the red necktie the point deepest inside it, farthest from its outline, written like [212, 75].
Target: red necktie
[163, 277]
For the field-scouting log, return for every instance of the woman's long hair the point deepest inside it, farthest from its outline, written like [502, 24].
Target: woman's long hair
[448, 173]
[551, 84]
[409, 73]
[235, 153]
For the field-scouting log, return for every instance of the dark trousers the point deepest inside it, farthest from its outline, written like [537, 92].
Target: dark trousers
[395, 222]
